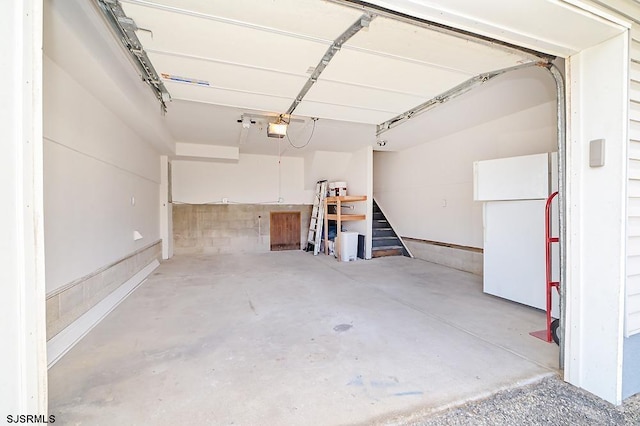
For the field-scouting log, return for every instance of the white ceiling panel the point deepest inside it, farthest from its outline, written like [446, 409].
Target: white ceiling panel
[344, 113]
[391, 74]
[201, 123]
[225, 97]
[550, 26]
[404, 40]
[535, 17]
[311, 18]
[226, 76]
[193, 36]
[362, 97]
[217, 125]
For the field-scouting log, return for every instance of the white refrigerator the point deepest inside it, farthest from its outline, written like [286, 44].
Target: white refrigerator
[514, 192]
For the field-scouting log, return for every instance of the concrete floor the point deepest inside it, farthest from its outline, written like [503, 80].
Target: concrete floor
[288, 338]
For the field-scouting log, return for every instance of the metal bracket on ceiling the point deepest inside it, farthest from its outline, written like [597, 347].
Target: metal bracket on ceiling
[362, 22]
[456, 91]
[125, 29]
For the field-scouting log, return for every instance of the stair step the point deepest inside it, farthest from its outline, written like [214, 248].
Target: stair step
[384, 252]
[386, 242]
[389, 247]
[383, 232]
[386, 239]
[380, 224]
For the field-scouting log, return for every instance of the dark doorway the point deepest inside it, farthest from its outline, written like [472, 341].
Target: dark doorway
[285, 231]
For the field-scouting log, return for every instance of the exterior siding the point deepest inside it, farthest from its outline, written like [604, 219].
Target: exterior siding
[632, 305]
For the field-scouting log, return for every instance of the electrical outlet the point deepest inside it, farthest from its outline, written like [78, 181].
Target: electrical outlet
[225, 200]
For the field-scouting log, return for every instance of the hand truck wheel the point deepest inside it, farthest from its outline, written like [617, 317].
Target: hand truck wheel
[555, 324]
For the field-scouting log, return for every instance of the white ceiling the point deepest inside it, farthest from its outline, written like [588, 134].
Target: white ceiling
[217, 125]
[507, 94]
[557, 27]
[255, 55]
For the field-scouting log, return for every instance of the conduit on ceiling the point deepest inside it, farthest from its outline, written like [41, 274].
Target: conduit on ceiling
[125, 29]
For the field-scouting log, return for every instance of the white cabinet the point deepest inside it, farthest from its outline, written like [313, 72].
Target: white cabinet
[514, 191]
[515, 178]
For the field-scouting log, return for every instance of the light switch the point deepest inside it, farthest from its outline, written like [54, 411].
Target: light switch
[596, 153]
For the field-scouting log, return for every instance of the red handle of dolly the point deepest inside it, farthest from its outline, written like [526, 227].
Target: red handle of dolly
[548, 241]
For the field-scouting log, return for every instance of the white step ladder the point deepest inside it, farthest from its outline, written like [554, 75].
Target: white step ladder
[317, 218]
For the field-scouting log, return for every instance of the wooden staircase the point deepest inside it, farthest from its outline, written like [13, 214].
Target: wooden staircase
[385, 241]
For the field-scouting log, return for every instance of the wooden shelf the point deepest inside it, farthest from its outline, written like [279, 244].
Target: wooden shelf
[347, 217]
[346, 199]
[339, 218]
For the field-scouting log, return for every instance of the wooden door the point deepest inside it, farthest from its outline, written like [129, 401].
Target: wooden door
[285, 231]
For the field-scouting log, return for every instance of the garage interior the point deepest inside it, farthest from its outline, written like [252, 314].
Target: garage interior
[163, 294]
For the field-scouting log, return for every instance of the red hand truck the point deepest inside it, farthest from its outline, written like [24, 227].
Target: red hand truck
[552, 324]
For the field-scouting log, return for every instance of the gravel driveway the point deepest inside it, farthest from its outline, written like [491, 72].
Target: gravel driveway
[548, 402]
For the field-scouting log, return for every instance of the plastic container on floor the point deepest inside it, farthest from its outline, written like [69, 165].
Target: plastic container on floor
[348, 246]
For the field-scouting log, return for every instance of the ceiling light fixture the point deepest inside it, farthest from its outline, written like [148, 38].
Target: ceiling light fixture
[277, 129]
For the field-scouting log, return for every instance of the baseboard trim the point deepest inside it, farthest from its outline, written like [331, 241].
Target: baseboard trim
[449, 245]
[62, 342]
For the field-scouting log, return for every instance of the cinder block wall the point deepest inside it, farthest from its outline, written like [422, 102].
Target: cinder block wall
[67, 303]
[229, 228]
[466, 259]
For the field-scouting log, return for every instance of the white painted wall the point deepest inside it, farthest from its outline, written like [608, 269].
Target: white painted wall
[359, 178]
[102, 133]
[596, 219]
[427, 191]
[325, 165]
[23, 367]
[94, 165]
[166, 208]
[253, 179]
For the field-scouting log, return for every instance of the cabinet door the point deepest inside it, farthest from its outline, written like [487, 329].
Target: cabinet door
[285, 231]
[514, 252]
